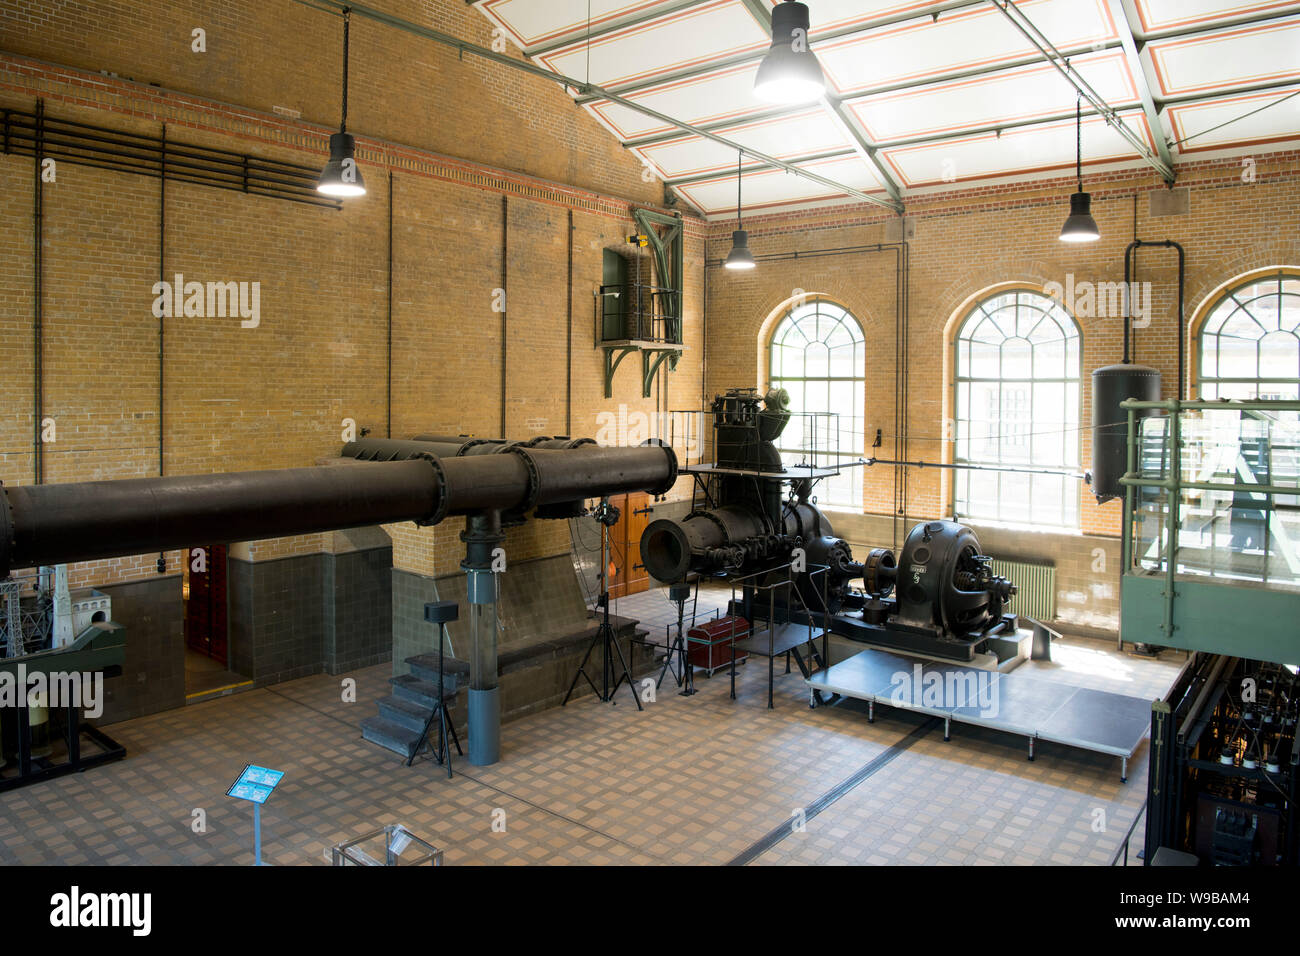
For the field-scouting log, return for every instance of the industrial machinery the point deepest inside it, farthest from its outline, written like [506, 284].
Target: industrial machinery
[50, 524]
[1224, 771]
[942, 599]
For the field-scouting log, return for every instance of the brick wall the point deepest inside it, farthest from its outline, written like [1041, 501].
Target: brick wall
[967, 243]
[474, 151]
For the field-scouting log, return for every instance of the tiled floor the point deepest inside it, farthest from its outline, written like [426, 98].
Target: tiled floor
[688, 780]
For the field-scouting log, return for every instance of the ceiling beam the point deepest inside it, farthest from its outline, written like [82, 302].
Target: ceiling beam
[1126, 15]
[849, 98]
[473, 49]
[756, 168]
[580, 35]
[989, 128]
[1035, 36]
[1167, 101]
[1228, 23]
[933, 11]
[844, 120]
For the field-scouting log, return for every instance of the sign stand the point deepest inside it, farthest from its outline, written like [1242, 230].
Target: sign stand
[255, 784]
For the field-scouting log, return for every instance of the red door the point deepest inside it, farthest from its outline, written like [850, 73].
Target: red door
[205, 610]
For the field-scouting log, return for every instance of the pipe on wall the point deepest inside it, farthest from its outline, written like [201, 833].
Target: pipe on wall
[505, 301]
[38, 269]
[389, 366]
[1130, 264]
[568, 341]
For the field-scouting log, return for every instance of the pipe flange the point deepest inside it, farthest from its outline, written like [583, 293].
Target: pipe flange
[534, 479]
[710, 516]
[441, 511]
[667, 486]
[7, 541]
[463, 450]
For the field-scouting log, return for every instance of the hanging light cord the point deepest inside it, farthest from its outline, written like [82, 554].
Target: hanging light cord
[1078, 139]
[740, 160]
[347, 18]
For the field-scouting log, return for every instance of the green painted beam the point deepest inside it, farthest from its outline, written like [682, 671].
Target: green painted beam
[1214, 617]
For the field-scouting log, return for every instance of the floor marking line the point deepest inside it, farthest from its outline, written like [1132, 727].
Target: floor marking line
[783, 830]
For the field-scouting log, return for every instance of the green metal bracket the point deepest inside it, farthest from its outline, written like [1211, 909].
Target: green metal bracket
[611, 363]
[651, 360]
[669, 258]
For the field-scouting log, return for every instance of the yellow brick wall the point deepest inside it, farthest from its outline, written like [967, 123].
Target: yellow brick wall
[970, 241]
[456, 137]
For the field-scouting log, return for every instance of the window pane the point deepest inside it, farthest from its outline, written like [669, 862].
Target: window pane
[1248, 345]
[1017, 406]
[818, 354]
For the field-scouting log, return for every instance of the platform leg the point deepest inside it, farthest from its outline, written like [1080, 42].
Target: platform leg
[1031, 748]
[947, 728]
[871, 711]
[1123, 769]
[812, 698]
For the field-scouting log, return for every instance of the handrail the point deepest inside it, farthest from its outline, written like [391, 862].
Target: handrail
[1230, 405]
[1123, 849]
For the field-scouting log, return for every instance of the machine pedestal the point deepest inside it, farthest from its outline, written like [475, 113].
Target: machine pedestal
[484, 726]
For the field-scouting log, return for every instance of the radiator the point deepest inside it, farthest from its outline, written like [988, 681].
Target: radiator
[1036, 583]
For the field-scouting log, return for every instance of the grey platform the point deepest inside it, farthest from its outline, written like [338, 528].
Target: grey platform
[1031, 707]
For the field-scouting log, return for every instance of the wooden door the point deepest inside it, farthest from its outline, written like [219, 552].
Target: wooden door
[635, 518]
[625, 577]
[205, 610]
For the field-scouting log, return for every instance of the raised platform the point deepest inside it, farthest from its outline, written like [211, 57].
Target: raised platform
[1031, 707]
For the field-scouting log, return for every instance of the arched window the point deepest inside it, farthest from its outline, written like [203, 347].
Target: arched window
[818, 355]
[1250, 343]
[1017, 405]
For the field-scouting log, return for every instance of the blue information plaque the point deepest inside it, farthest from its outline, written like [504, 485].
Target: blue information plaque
[255, 784]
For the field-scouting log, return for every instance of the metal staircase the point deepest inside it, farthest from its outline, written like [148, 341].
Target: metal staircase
[407, 721]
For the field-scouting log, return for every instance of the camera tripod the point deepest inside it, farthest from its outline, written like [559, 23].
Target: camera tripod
[610, 670]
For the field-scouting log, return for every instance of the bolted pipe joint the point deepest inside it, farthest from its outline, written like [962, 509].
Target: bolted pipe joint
[482, 536]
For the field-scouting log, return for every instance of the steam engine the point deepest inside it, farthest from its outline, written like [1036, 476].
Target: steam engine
[942, 598]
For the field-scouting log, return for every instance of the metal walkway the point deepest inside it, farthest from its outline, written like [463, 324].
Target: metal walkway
[1030, 707]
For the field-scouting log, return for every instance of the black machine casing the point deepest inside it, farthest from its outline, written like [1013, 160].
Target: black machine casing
[940, 599]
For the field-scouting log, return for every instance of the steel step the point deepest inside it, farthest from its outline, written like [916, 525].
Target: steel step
[399, 710]
[422, 692]
[425, 667]
[401, 740]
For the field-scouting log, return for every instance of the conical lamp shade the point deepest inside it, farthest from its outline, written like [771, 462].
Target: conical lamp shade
[789, 72]
[1080, 227]
[341, 175]
[740, 257]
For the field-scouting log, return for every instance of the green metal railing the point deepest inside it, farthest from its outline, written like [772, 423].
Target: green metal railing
[1172, 482]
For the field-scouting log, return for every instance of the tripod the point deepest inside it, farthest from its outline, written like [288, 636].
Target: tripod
[607, 515]
[440, 612]
[678, 593]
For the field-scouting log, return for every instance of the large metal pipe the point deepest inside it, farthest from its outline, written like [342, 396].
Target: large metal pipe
[448, 446]
[83, 521]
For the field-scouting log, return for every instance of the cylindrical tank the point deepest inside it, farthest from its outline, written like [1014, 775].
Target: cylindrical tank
[1111, 385]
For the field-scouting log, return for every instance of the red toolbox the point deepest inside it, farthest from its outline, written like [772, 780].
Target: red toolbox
[710, 644]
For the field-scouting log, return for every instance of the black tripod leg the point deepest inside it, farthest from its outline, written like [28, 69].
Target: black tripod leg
[444, 744]
[455, 738]
[626, 673]
[582, 670]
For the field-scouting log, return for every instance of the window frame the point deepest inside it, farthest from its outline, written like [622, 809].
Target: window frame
[1210, 387]
[1070, 518]
[845, 318]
